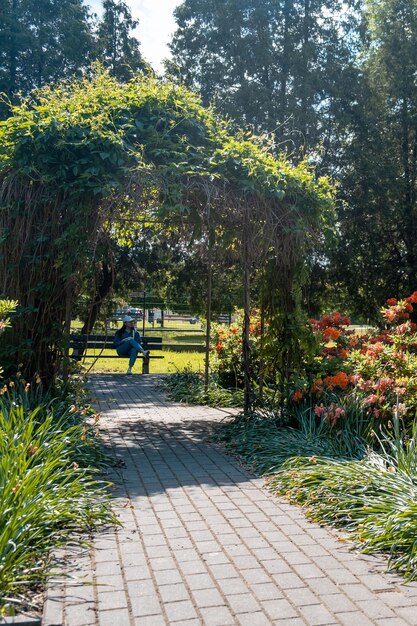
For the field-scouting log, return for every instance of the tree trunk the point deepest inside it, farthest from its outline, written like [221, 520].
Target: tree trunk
[208, 310]
[247, 378]
[409, 208]
[13, 49]
[285, 61]
[68, 316]
[305, 59]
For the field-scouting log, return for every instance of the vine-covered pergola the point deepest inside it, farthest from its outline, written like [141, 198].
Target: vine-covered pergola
[79, 160]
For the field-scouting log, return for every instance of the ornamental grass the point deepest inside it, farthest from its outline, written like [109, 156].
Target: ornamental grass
[50, 489]
[373, 498]
[188, 386]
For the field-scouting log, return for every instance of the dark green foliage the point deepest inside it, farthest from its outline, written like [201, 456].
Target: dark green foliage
[378, 251]
[42, 41]
[277, 66]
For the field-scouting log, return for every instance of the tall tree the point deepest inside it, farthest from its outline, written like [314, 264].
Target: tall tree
[276, 65]
[378, 222]
[41, 41]
[117, 49]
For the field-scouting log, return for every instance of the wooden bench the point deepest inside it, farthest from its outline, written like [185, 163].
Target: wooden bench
[82, 346]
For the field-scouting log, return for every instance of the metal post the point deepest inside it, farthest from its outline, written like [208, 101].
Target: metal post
[144, 313]
[145, 365]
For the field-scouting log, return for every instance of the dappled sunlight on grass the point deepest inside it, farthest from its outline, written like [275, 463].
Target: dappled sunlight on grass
[172, 362]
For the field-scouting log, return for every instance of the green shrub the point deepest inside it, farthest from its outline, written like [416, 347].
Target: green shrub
[50, 488]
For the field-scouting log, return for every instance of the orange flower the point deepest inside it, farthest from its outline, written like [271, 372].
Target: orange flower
[340, 379]
[297, 395]
[392, 301]
[331, 333]
[317, 385]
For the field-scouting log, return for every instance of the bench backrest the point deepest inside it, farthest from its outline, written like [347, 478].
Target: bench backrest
[106, 341]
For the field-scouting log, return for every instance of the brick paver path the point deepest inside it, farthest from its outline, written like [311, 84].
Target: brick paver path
[202, 542]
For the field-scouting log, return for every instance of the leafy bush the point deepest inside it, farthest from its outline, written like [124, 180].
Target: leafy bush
[226, 356]
[6, 308]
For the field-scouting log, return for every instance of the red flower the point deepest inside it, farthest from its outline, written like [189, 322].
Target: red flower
[413, 297]
[392, 301]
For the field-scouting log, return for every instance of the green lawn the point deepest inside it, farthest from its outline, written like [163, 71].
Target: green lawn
[172, 362]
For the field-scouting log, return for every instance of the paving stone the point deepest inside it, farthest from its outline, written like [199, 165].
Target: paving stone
[302, 596]
[146, 620]
[254, 619]
[143, 606]
[317, 615]
[199, 581]
[277, 566]
[223, 570]
[233, 585]
[355, 592]
[112, 617]
[279, 608]
[288, 581]
[173, 593]
[356, 618]
[217, 616]
[267, 591]
[207, 597]
[111, 599]
[243, 603]
[167, 577]
[81, 615]
[181, 610]
[409, 614]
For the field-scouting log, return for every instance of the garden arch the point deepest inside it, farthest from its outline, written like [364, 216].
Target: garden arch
[76, 162]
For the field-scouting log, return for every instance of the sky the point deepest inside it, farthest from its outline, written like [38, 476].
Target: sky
[156, 25]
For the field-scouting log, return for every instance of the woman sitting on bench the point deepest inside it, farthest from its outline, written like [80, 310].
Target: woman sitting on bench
[127, 342]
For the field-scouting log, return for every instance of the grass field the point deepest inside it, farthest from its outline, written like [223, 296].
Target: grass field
[172, 362]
